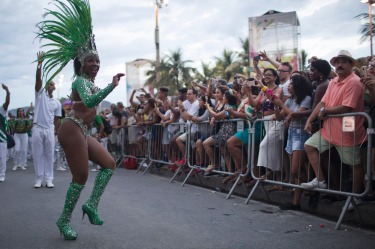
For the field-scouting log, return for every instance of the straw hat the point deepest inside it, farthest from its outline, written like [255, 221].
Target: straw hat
[343, 54]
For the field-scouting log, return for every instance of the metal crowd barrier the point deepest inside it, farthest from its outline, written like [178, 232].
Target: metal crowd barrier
[161, 153]
[158, 153]
[275, 145]
[221, 155]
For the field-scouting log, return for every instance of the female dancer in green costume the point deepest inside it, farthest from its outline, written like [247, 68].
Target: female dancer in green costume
[73, 135]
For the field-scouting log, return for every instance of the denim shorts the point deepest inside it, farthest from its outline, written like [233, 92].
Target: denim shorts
[296, 139]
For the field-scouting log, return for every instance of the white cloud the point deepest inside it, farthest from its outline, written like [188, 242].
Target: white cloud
[314, 6]
[202, 29]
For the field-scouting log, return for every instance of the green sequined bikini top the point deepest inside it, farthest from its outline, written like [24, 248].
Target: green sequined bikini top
[90, 94]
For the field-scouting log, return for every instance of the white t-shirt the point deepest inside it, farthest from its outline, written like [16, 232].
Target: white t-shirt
[45, 109]
[111, 119]
[186, 105]
[193, 111]
[284, 86]
[3, 136]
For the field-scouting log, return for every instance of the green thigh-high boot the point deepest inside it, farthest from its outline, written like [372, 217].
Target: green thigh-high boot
[91, 206]
[63, 223]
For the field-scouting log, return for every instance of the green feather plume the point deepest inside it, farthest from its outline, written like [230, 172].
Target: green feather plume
[69, 31]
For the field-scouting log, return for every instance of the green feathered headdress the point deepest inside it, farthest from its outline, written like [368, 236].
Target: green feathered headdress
[69, 31]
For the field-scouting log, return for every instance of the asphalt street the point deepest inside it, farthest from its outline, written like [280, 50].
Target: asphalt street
[146, 211]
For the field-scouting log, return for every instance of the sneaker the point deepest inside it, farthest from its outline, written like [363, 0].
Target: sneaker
[314, 184]
[2, 179]
[23, 168]
[14, 167]
[38, 185]
[60, 169]
[173, 168]
[94, 170]
[357, 202]
[181, 162]
[50, 185]
[290, 206]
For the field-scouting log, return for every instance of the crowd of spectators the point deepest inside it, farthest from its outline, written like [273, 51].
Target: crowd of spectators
[291, 109]
[293, 105]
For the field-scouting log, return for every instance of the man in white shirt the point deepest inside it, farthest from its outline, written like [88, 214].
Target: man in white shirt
[3, 135]
[112, 138]
[187, 115]
[47, 113]
[284, 71]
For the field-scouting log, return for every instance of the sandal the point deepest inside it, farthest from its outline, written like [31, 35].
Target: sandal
[275, 188]
[227, 179]
[210, 168]
[265, 176]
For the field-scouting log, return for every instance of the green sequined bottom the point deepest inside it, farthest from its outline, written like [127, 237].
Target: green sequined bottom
[80, 123]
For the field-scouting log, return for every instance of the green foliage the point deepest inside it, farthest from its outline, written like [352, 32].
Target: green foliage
[365, 27]
[176, 72]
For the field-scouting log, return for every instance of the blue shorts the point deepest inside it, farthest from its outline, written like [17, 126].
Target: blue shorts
[296, 139]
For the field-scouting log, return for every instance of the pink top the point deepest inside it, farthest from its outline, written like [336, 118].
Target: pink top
[348, 93]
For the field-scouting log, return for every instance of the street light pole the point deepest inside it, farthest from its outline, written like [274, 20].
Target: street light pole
[370, 3]
[158, 5]
[60, 82]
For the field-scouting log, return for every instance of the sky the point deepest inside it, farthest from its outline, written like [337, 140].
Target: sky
[202, 29]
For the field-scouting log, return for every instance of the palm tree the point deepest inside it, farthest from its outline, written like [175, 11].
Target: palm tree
[172, 71]
[227, 64]
[206, 74]
[178, 69]
[365, 27]
[244, 54]
[163, 70]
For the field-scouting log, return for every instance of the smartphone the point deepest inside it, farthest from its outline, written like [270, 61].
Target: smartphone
[364, 71]
[254, 90]
[256, 58]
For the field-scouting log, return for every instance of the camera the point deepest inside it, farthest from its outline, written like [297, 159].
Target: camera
[254, 90]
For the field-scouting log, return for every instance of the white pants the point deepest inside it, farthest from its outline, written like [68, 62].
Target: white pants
[21, 140]
[3, 159]
[104, 142]
[30, 148]
[43, 141]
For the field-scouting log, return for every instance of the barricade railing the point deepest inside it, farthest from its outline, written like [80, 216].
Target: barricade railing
[271, 152]
[223, 159]
[120, 146]
[135, 144]
[158, 156]
[161, 151]
[129, 146]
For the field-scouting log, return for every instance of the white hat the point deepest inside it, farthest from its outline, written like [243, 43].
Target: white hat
[343, 54]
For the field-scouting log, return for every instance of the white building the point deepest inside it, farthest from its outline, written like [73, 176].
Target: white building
[136, 74]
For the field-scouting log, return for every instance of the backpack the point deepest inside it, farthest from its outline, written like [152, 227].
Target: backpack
[107, 126]
[130, 163]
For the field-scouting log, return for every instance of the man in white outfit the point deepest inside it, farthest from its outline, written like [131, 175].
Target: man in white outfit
[3, 136]
[47, 112]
